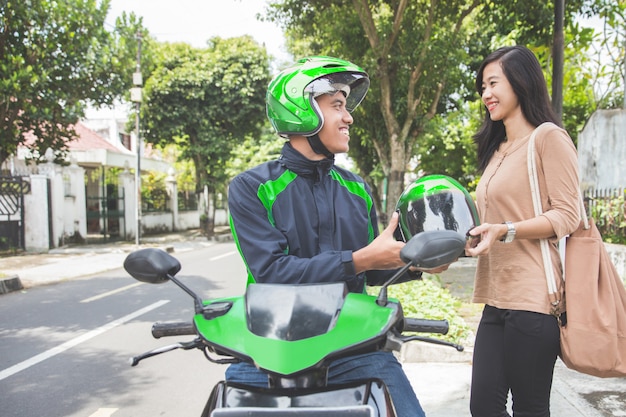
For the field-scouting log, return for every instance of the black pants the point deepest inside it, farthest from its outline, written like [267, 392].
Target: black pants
[514, 351]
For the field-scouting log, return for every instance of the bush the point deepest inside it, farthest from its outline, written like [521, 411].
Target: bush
[427, 299]
[608, 212]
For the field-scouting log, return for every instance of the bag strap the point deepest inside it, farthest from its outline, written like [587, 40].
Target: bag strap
[545, 249]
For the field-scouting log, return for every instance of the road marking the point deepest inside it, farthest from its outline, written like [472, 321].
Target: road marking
[106, 294]
[104, 412]
[128, 287]
[77, 340]
[215, 258]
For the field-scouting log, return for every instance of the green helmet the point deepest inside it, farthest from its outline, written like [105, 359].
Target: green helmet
[435, 202]
[290, 103]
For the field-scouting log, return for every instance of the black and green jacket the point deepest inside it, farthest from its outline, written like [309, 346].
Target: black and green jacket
[298, 221]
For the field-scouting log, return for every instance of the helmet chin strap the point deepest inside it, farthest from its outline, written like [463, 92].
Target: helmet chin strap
[318, 147]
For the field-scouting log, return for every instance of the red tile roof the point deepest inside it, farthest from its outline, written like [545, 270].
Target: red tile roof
[87, 139]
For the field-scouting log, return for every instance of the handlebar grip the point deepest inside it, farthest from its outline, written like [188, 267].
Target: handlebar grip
[425, 325]
[177, 328]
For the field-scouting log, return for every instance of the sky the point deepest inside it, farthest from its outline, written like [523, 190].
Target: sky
[195, 21]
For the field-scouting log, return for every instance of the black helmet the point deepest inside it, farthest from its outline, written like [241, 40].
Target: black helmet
[435, 202]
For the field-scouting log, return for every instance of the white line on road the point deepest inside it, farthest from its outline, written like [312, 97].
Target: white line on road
[77, 340]
[106, 294]
[215, 258]
[128, 287]
[104, 412]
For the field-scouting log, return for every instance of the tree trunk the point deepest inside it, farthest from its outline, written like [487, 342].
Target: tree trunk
[395, 179]
[557, 58]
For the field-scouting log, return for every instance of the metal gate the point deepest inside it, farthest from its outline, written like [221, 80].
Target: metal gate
[12, 190]
[105, 216]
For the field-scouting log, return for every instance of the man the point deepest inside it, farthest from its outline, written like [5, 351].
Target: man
[302, 219]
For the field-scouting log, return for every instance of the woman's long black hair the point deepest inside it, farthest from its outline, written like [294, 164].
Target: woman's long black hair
[523, 71]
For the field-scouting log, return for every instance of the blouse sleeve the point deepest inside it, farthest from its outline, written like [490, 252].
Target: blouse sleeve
[560, 186]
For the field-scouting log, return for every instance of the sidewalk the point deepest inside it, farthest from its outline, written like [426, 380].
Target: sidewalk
[61, 264]
[440, 375]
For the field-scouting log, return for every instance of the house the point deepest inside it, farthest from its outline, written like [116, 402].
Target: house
[93, 196]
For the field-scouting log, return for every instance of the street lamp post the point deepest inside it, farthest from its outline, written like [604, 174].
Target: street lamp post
[135, 96]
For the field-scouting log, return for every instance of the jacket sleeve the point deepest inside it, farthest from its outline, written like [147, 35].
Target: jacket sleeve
[265, 249]
[379, 277]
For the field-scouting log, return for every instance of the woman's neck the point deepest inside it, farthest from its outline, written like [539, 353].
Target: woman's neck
[517, 128]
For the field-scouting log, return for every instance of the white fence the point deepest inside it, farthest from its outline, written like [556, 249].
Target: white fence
[56, 210]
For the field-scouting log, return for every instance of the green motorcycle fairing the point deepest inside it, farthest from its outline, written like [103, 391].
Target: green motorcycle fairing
[289, 329]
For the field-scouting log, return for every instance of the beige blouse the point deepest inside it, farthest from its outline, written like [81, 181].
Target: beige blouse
[511, 275]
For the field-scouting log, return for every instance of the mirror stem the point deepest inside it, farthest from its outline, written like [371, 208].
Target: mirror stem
[197, 300]
[382, 296]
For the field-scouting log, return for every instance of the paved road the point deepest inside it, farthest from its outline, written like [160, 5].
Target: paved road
[440, 376]
[64, 348]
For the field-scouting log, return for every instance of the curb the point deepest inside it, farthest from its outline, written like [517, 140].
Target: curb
[10, 284]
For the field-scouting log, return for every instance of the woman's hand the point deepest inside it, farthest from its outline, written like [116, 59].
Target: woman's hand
[482, 237]
[436, 270]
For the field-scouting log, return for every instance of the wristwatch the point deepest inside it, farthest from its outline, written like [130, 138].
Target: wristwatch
[510, 233]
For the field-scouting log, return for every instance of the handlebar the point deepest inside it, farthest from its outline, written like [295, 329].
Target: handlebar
[425, 326]
[177, 328]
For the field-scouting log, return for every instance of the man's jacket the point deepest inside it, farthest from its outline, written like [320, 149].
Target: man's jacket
[298, 221]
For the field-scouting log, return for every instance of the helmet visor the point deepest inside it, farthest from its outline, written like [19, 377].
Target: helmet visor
[439, 211]
[435, 202]
[354, 86]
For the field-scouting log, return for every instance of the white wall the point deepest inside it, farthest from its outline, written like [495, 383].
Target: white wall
[602, 150]
[36, 232]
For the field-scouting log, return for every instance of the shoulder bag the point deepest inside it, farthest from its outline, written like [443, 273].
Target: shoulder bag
[593, 329]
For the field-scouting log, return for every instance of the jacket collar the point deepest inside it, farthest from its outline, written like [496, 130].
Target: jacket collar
[296, 162]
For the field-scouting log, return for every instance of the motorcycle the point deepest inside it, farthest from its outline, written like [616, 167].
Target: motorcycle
[294, 332]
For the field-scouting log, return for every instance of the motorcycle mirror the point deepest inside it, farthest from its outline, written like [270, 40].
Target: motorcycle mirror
[154, 266]
[434, 248]
[426, 250]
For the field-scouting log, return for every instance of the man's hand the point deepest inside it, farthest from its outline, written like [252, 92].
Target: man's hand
[382, 253]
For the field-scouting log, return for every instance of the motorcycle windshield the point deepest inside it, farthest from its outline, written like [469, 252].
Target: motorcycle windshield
[288, 329]
[289, 312]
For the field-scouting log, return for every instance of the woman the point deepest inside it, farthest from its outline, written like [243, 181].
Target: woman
[517, 341]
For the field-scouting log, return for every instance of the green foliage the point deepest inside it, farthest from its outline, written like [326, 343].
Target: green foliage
[183, 168]
[427, 299]
[254, 150]
[530, 22]
[412, 53]
[448, 147]
[609, 61]
[578, 96]
[422, 107]
[205, 101]
[54, 58]
[610, 218]
[154, 195]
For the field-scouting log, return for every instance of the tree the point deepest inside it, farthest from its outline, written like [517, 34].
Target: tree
[551, 30]
[54, 58]
[206, 100]
[610, 61]
[422, 56]
[411, 50]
